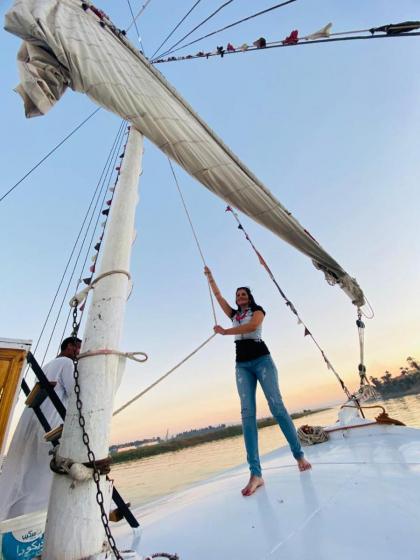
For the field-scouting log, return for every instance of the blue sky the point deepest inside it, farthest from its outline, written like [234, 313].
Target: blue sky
[331, 129]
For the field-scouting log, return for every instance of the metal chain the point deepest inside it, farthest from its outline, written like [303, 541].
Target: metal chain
[90, 453]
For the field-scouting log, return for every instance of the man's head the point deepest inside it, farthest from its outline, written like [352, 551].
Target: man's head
[70, 347]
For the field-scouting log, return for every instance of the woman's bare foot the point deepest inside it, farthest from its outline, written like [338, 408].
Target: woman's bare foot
[254, 483]
[303, 464]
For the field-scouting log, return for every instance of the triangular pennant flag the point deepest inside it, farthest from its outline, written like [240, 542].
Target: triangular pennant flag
[118, 168]
[101, 237]
[240, 227]
[103, 224]
[93, 259]
[105, 212]
[111, 189]
[87, 281]
[306, 332]
[299, 321]
[244, 47]
[81, 308]
[321, 33]
[262, 261]
[109, 202]
[230, 47]
[97, 247]
[228, 209]
[292, 39]
[122, 155]
[92, 268]
[260, 43]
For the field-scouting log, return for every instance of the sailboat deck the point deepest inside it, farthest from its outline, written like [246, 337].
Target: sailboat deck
[360, 499]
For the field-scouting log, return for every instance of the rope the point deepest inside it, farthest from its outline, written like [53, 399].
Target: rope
[109, 352]
[81, 248]
[50, 153]
[195, 237]
[290, 304]
[175, 28]
[226, 27]
[111, 165]
[124, 406]
[138, 14]
[310, 435]
[135, 25]
[170, 50]
[82, 295]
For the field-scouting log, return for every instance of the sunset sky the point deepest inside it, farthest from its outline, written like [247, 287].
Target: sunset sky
[332, 130]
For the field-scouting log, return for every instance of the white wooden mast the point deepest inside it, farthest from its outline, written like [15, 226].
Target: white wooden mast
[74, 529]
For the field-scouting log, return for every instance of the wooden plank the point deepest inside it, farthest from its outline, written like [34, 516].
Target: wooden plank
[12, 361]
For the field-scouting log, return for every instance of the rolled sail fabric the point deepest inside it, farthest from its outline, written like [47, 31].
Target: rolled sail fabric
[68, 46]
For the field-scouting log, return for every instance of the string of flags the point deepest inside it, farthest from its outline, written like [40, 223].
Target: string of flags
[321, 35]
[289, 304]
[105, 212]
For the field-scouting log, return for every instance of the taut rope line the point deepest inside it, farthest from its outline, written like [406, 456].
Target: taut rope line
[124, 406]
[195, 237]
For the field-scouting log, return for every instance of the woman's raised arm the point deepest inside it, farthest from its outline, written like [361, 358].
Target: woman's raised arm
[217, 294]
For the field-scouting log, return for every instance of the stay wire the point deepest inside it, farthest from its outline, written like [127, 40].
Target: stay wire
[112, 158]
[71, 277]
[50, 153]
[195, 237]
[135, 24]
[138, 14]
[262, 12]
[175, 28]
[69, 260]
[170, 50]
[67, 265]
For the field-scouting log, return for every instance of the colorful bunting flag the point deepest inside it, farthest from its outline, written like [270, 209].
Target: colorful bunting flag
[320, 34]
[292, 39]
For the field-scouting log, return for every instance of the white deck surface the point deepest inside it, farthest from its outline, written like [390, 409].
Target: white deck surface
[361, 500]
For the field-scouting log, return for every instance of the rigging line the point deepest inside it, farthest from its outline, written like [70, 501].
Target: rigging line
[138, 14]
[135, 25]
[195, 237]
[124, 406]
[175, 28]
[278, 44]
[262, 12]
[170, 50]
[72, 252]
[289, 303]
[50, 153]
[71, 276]
[109, 165]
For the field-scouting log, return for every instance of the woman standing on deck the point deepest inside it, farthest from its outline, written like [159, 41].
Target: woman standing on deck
[254, 363]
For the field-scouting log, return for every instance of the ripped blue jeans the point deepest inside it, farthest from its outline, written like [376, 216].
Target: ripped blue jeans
[248, 373]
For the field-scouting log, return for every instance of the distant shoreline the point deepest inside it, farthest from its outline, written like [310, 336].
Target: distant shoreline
[385, 395]
[178, 444]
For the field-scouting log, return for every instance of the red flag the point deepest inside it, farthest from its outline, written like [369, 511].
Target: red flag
[292, 39]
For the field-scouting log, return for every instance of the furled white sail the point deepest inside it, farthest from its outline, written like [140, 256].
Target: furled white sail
[69, 44]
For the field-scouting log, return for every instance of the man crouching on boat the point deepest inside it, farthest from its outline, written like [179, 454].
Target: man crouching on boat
[25, 481]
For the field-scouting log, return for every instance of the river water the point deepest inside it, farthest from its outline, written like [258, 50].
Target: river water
[144, 480]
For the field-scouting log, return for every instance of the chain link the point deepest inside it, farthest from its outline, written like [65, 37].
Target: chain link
[90, 453]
